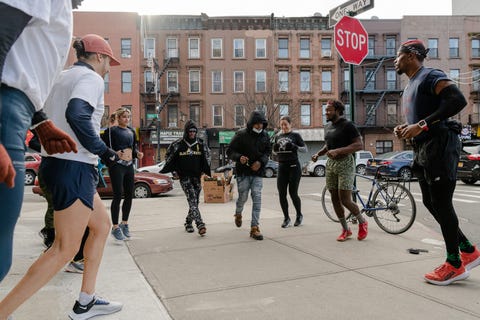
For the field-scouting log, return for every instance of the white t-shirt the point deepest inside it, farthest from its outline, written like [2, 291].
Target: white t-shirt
[40, 53]
[82, 83]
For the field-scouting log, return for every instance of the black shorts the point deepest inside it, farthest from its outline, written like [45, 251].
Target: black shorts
[68, 181]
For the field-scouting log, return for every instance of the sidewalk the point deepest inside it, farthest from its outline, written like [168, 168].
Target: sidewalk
[295, 273]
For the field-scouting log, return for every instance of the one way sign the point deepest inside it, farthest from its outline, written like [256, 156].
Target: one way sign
[354, 6]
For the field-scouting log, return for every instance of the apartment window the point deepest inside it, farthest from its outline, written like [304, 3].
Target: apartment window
[126, 47]
[217, 50]
[391, 46]
[194, 81]
[476, 79]
[433, 45]
[239, 116]
[262, 108]
[149, 85]
[217, 112]
[172, 48]
[454, 74]
[346, 80]
[260, 81]
[304, 81]
[304, 48]
[326, 47]
[370, 79]
[371, 46]
[383, 146]
[172, 112]
[217, 81]
[371, 117]
[238, 48]
[305, 114]
[283, 110]
[194, 48]
[260, 48]
[126, 81]
[172, 81]
[453, 47]
[195, 112]
[391, 79]
[283, 48]
[149, 48]
[348, 112]
[475, 48]
[106, 82]
[283, 81]
[392, 113]
[238, 81]
[327, 81]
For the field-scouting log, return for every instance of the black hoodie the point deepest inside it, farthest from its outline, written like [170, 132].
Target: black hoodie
[255, 146]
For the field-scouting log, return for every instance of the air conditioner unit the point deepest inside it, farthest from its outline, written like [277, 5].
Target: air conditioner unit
[326, 53]
[126, 55]
[172, 124]
[172, 89]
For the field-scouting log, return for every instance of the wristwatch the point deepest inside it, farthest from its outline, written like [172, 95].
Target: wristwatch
[423, 124]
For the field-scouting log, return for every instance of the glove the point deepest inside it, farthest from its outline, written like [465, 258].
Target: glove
[7, 171]
[109, 157]
[53, 139]
[276, 147]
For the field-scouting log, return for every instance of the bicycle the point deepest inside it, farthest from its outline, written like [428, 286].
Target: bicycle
[389, 202]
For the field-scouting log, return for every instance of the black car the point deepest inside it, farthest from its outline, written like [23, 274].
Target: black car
[469, 165]
[270, 170]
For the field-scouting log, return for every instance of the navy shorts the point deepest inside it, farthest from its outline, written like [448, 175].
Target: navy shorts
[68, 181]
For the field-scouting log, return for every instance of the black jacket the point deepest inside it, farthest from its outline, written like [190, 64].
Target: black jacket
[255, 146]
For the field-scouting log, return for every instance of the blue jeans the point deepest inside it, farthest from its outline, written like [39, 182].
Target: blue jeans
[16, 118]
[255, 185]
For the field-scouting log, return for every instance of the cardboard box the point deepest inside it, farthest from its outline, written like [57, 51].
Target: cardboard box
[217, 189]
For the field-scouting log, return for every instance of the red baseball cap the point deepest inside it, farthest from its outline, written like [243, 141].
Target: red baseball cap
[95, 43]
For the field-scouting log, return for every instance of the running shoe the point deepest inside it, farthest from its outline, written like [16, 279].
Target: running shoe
[470, 260]
[362, 230]
[446, 274]
[118, 234]
[98, 306]
[75, 267]
[344, 235]
[125, 230]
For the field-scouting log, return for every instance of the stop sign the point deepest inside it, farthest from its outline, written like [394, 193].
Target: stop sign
[351, 40]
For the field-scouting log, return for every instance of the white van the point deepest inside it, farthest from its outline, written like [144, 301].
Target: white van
[317, 168]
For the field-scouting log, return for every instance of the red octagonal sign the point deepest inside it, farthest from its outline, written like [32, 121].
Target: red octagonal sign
[351, 40]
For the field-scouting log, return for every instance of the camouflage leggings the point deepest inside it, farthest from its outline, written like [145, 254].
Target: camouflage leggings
[192, 187]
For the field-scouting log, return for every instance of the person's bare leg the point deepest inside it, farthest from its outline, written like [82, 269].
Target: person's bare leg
[70, 224]
[99, 225]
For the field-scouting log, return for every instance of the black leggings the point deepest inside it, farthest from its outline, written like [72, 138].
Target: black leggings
[122, 183]
[437, 198]
[289, 177]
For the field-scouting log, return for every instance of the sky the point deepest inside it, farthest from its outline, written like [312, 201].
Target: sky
[384, 9]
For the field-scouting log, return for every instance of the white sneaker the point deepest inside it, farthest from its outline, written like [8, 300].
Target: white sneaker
[98, 306]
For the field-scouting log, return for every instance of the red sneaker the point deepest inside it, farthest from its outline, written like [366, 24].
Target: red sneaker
[344, 235]
[470, 260]
[362, 230]
[446, 274]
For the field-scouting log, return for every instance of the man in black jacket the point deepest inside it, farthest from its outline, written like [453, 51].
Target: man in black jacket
[189, 157]
[250, 149]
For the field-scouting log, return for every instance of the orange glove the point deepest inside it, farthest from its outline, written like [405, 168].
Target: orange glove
[53, 139]
[7, 171]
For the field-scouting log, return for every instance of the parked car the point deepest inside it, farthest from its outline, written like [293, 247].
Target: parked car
[147, 184]
[32, 163]
[317, 168]
[469, 165]
[396, 164]
[270, 170]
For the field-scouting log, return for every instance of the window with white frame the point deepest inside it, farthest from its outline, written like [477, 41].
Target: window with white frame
[391, 45]
[172, 48]
[475, 48]
[476, 79]
[283, 110]
[326, 47]
[327, 81]
[392, 112]
[454, 74]
[238, 48]
[239, 115]
[304, 48]
[371, 46]
[217, 81]
[126, 81]
[217, 112]
[305, 114]
[194, 48]
[283, 81]
[370, 79]
[172, 114]
[195, 112]
[149, 48]
[260, 81]
[433, 46]
[453, 48]
[217, 48]
[260, 48]
[172, 81]
[304, 80]
[238, 81]
[391, 79]
[126, 48]
[283, 48]
[149, 85]
[194, 81]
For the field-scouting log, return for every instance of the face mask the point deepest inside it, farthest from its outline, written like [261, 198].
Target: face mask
[257, 130]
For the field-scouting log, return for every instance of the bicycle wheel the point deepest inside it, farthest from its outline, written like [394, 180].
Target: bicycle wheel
[328, 205]
[399, 209]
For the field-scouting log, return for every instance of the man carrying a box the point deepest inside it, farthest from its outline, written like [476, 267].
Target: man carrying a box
[189, 157]
[250, 148]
